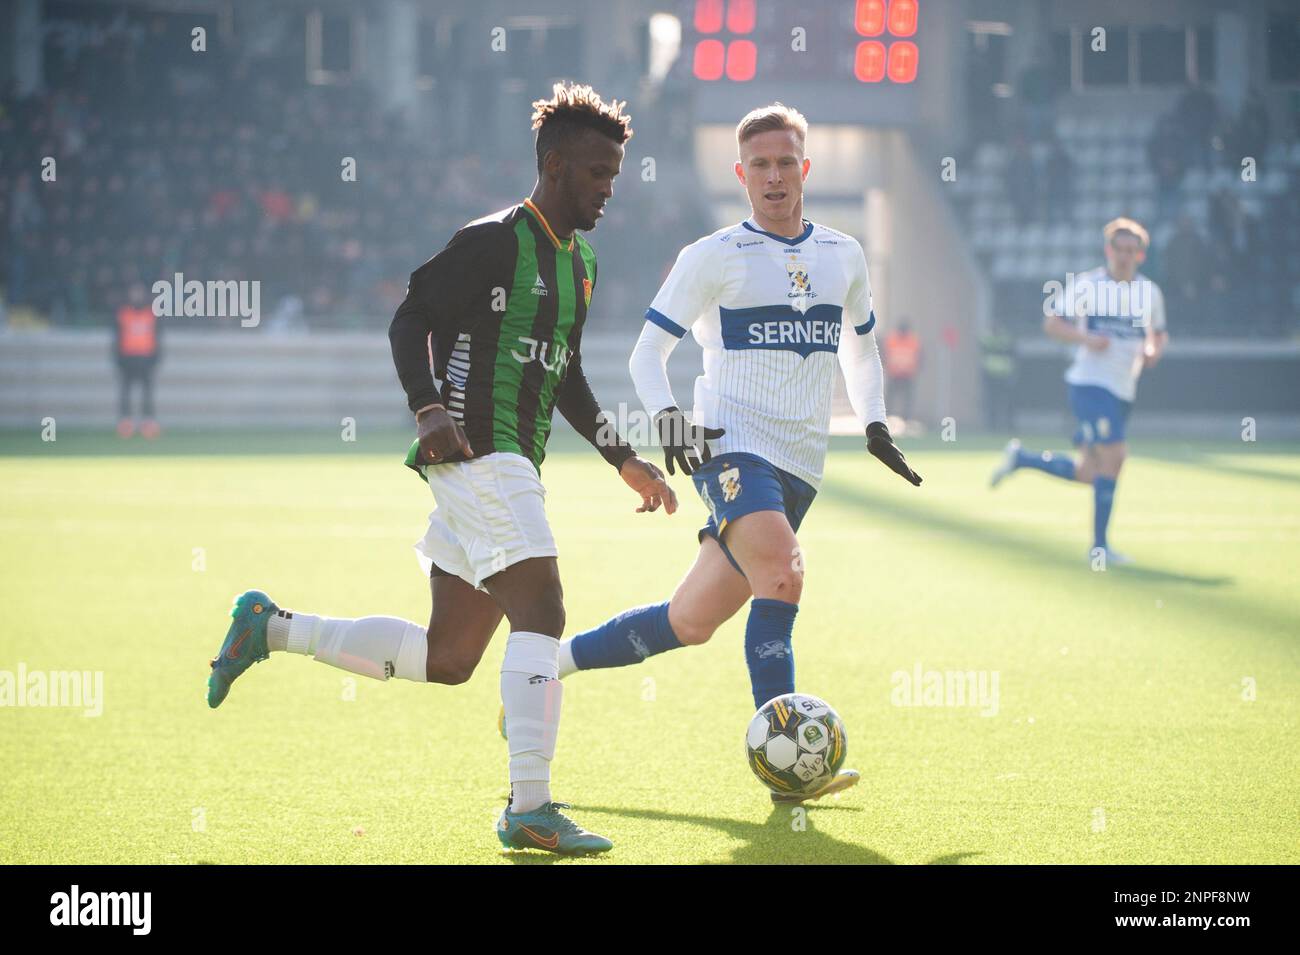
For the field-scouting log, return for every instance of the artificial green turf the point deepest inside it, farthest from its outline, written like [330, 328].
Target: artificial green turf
[1121, 733]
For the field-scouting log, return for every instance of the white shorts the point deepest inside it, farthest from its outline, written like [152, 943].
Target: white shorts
[491, 514]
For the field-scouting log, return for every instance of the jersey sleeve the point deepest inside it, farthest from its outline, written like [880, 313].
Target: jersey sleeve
[692, 287]
[858, 311]
[446, 290]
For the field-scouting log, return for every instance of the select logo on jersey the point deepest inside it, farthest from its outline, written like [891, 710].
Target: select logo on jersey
[539, 287]
[730, 483]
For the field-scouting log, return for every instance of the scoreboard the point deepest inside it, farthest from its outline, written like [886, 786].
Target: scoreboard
[870, 42]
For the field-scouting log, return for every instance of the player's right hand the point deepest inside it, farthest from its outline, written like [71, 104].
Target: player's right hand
[1096, 343]
[685, 444]
[881, 445]
[648, 481]
[440, 436]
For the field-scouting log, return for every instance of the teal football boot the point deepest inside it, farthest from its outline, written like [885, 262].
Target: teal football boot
[245, 643]
[548, 828]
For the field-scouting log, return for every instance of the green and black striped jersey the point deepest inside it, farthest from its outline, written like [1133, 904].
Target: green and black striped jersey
[503, 308]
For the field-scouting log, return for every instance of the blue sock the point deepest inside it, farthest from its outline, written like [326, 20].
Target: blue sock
[1062, 467]
[767, 648]
[628, 638]
[1103, 496]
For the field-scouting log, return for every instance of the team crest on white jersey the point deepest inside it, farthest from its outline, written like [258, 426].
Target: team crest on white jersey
[730, 481]
[800, 285]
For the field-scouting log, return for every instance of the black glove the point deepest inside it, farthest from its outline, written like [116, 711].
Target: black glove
[683, 442]
[882, 446]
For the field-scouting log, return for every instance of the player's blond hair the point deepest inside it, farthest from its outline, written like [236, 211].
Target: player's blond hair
[774, 116]
[1131, 226]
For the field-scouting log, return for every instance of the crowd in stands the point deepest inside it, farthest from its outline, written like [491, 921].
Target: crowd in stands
[229, 166]
[1218, 189]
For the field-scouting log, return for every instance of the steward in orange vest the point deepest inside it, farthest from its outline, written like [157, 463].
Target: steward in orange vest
[137, 347]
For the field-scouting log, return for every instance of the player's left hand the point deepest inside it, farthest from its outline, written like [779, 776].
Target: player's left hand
[881, 445]
[648, 481]
[1150, 356]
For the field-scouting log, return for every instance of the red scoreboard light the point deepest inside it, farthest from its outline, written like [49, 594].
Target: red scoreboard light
[742, 56]
[902, 62]
[714, 57]
[869, 17]
[877, 60]
[741, 40]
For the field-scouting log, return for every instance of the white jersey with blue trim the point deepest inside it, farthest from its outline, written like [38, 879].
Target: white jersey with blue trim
[768, 312]
[1119, 311]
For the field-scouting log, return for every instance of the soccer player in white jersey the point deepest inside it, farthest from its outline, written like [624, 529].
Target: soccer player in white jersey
[1116, 317]
[774, 301]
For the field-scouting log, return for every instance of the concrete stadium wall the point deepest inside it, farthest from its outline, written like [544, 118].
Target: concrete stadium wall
[249, 379]
[253, 379]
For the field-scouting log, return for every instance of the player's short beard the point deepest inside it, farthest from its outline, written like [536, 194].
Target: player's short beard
[569, 193]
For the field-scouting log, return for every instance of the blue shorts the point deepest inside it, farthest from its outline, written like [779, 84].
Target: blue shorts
[735, 484]
[1101, 415]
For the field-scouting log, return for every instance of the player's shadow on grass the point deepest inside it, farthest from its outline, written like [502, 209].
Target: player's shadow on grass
[1203, 461]
[1020, 546]
[789, 836]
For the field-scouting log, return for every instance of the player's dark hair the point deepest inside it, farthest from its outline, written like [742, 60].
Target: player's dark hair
[572, 109]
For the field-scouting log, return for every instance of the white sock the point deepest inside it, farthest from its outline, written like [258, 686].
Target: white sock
[531, 693]
[377, 647]
[567, 665]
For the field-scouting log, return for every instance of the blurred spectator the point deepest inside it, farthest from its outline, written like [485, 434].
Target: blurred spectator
[1195, 122]
[1235, 233]
[1249, 136]
[137, 348]
[25, 221]
[902, 364]
[1021, 181]
[227, 167]
[1053, 180]
[1188, 263]
[998, 364]
[1037, 91]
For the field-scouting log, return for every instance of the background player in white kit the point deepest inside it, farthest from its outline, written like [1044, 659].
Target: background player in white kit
[1116, 316]
[773, 301]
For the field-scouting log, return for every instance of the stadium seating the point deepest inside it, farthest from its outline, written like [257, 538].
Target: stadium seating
[1109, 174]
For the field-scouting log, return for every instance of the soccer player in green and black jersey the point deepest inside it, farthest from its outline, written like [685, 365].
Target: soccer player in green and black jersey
[501, 310]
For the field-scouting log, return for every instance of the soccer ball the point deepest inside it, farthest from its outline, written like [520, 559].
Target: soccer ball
[795, 744]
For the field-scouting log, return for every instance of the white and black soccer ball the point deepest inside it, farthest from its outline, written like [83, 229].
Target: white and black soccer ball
[795, 744]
